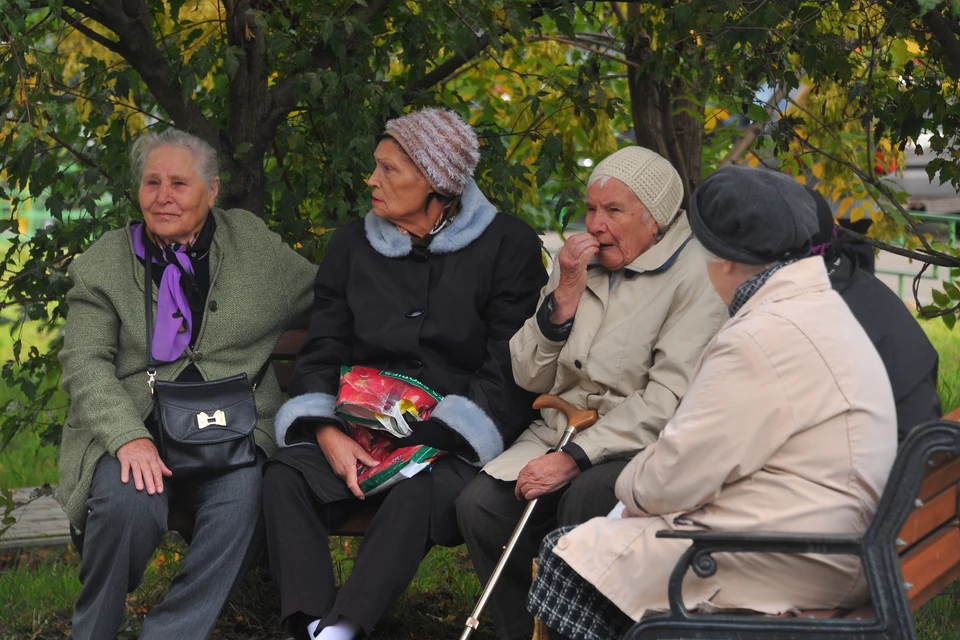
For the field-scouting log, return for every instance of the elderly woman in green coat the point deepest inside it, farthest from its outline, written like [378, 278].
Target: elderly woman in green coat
[226, 288]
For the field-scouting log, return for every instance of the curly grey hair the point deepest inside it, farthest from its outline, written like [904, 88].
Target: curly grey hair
[207, 165]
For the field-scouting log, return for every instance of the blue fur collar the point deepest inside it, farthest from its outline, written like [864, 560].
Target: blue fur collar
[477, 213]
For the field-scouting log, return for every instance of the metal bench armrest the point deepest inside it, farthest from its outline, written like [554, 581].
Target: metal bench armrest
[745, 541]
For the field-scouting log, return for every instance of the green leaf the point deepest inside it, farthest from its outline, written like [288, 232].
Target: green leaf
[950, 320]
[564, 25]
[757, 113]
[951, 290]
[940, 299]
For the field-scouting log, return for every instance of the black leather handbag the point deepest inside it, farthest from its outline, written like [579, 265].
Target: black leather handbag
[205, 428]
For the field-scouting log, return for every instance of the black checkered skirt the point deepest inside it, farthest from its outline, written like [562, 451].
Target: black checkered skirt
[569, 605]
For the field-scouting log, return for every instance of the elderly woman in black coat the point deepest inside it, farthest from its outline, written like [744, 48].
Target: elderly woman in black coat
[909, 357]
[432, 284]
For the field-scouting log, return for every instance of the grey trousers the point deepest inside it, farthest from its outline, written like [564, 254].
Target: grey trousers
[124, 527]
[488, 512]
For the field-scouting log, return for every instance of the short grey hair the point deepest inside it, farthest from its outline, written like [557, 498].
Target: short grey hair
[207, 165]
[741, 267]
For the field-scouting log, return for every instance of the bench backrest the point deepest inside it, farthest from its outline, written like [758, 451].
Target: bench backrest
[284, 353]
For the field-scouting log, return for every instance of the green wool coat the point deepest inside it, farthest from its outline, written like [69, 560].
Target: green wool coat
[259, 287]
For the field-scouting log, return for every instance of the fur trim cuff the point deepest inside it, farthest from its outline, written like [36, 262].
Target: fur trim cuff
[473, 424]
[309, 405]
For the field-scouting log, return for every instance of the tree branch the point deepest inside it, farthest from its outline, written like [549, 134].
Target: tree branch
[939, 259]
[618, 11]
[90, 163]
[284, 96]
[586, 47]
[130, 21]
[107, 43]
[446, 69]
[752, 133]
[879, 186]
[942, 30]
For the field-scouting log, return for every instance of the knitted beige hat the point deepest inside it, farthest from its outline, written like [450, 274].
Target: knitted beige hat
[649, 175]
[442, 146]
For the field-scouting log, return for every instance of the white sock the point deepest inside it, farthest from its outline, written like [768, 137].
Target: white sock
[342, 629]
[312, 628]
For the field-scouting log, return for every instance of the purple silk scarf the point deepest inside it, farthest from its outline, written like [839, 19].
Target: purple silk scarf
[174, 323]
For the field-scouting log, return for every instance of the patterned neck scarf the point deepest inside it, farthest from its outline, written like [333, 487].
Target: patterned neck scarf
[173, 325]
[446, 217]
[745, 291]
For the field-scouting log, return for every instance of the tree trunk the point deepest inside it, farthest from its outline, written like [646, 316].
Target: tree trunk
[667, 118]
[247, 185]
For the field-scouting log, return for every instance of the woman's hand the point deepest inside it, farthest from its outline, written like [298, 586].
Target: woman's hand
[545, 475]
[573, 258]
[343, 453]
[140, 458]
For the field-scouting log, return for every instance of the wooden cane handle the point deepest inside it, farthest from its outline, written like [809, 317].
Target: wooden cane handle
[579, 419]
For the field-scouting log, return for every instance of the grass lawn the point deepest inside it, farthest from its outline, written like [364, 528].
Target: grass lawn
[38, 588]
[24, 462]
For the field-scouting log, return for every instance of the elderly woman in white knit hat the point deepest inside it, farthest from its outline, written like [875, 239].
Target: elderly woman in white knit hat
[620, 325]
[788, 426]
[431, 283]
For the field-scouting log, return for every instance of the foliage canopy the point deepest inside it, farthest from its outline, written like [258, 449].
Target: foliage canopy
[294, 94]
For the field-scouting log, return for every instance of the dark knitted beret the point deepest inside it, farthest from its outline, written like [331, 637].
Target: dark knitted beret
[753, 216]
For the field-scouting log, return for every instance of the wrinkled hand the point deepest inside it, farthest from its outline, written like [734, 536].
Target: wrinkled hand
[140, 458]
[343, 453]
[572, 260]
[545, 475]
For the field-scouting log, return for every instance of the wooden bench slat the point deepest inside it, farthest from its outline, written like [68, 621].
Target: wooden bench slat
[953, 416]
[358, 522]
[288, 346]
[939, 477]
[936, 510]
[822, 613]
[866, 612]
[932, 564]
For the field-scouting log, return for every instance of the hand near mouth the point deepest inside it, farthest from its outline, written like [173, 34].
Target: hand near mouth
[572, 261]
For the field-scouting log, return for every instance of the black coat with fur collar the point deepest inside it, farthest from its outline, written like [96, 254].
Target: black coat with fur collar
[443, 314]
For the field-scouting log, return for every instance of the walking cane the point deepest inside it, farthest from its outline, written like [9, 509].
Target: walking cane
[577, 419]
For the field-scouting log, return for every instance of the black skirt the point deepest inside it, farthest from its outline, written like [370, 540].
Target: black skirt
[450, 475]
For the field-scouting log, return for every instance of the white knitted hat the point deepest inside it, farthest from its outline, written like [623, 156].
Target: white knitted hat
[443, 147]
[649, 175]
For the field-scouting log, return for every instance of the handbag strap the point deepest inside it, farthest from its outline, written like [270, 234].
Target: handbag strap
[148, 313]
[257, 379]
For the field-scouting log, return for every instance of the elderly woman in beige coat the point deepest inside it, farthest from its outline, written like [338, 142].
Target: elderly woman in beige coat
[621, 323]
[789, 425]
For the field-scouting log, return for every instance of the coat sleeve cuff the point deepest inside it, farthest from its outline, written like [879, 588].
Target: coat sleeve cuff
[550, 330]
[473, 424]
[309, 405]
[579, 456]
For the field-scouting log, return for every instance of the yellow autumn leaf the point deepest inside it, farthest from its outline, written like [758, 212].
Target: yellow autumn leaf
[844, 206]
